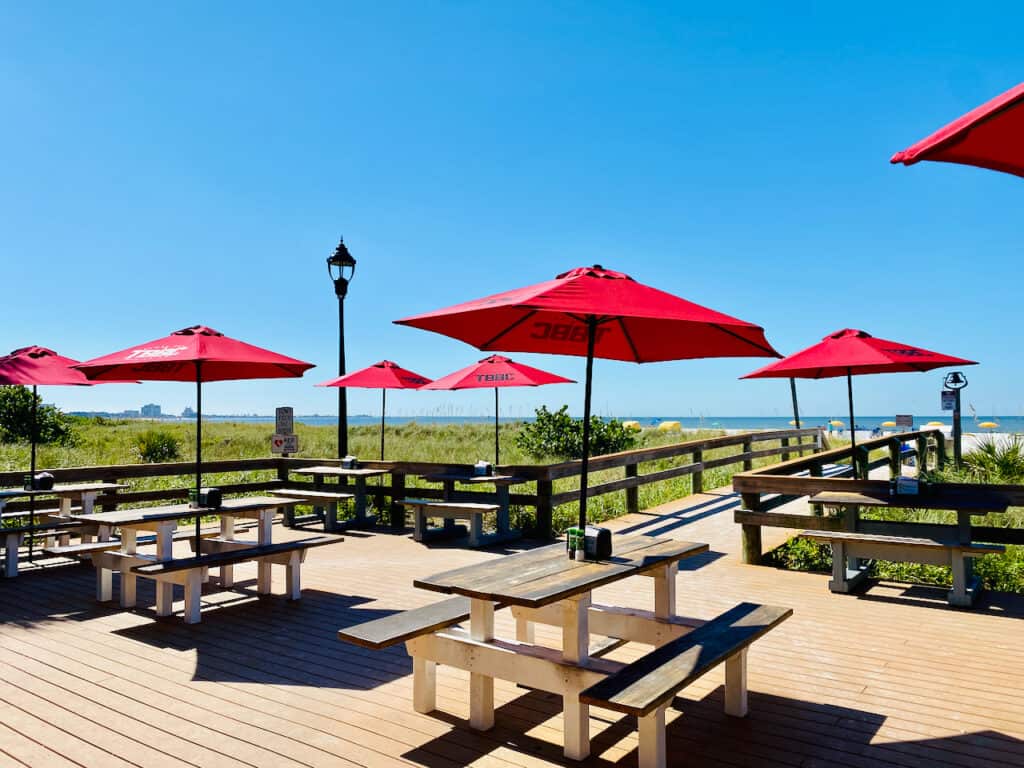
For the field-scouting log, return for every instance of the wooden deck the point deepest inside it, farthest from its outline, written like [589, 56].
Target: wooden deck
[893, 678]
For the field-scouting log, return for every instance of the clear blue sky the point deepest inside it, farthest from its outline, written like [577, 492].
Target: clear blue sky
[181, 163]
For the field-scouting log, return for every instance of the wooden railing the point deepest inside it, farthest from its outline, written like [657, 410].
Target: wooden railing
[543, 500]
[766, 489]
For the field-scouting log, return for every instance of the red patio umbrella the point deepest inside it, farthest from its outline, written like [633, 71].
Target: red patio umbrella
[384, 375]
[990, 136]
[195, 354]
[32, 367]
[595, 312]
[497, 371]
[850, 353]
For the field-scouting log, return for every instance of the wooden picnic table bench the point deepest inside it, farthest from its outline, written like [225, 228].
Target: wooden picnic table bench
[646, 687]
[424, 509]
[91, 547]
[849, 546]
[405, 625]
[359, 475]
[313, 495]
[189, 570]
[948, 545]
[12, 537]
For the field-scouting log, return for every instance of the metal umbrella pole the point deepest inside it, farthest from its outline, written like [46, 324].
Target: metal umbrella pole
[496, 439]
[383, 408]
[853, 428]
[199, 446]
[585, 463]
[32, 483]
[796, 409]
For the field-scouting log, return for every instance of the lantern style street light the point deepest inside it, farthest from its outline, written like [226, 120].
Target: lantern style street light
[342, 268]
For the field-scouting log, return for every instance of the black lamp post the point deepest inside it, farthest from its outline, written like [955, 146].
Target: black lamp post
[341, 267]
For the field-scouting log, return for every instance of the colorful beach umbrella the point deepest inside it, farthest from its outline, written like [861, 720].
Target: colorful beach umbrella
[198, 354]
[35, 367]
[497, 372]
[384, 375]
[990, 136]
[595, 312]
[935, 424]
[851, 352]
[888, 423]
[988, 425]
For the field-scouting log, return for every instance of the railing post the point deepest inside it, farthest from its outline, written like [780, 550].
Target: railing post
[397, 516]
[815, 471]
[895, 452]
[698, 476]
[110, 506]
[632, 494]
[544, 509]
[751, 534]
[863, 462]
[922, 454]
[785, 453]
[748, 463]
[940, 450]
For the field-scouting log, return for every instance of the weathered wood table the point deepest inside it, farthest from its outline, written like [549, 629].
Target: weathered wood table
[501, 485]
[163, 520]
[966, 504]
[546, 586]
[360, 519]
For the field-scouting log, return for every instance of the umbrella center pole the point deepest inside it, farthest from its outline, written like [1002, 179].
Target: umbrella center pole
[383, 408]
[853, 425]
[496, 438]
[199, 447]
[585, 463]
[32, 469]
[796, 409]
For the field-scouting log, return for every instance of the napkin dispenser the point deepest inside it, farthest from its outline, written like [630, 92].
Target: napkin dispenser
[206, 498]
[483, 469]
[597, 543]
[350, 462]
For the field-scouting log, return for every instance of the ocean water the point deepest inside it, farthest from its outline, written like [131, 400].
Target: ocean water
[1006, 423]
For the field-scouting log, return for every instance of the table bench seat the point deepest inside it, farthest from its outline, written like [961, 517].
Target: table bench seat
[647, 686]
[402, 626]
[189, 570]
[91, 547]
[11, 538]
[903, 549]
[423, 509]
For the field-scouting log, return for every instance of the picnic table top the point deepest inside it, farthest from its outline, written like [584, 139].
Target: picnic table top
[340, 471]
[546, 575]
[139, 515]
[470, 478]
[66, 489]
[979, 500]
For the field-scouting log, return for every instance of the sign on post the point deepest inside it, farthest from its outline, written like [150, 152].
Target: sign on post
[948, 400]
[284, 420]
[904, 420]
[284, 443]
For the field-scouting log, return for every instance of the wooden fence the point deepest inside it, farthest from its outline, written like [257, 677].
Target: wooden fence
[688, 458]
[764, 490]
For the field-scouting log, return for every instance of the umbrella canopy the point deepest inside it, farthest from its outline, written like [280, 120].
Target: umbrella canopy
[198, 354]
[32, 367]
[888, 423]
[988, 425]
[497, 372]
[990, 136]
[851, 352]
[595, 312]
[384, 375]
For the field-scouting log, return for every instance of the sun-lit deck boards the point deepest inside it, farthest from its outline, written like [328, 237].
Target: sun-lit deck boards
[892, 679]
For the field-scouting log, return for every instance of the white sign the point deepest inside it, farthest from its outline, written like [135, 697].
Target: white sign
[948, 400]
[284, 420]
[284, 444]
[904, 420]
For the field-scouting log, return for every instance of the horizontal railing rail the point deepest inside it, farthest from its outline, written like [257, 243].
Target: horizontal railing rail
[543, 499]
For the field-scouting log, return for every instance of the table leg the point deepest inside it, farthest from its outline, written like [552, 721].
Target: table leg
[575, 648]
[263, 574]
[359, 502]
[11, 543]
[227, 532]
[448, 494]
[504, 523]
[963, 530]
[424, 685]
[128, 579]
[665, 591]
[164, 551]
[104, 576]
[481, 687]
[852, 524]
[88, 500]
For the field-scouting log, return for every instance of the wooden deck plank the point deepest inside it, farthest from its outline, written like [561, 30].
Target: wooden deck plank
[889, 679]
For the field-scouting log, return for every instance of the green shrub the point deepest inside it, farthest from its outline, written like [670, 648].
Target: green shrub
[52, 426]
[558, 435]
[156, 445]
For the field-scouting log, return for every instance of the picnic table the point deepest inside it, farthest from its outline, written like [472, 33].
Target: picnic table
[951, 545]
[359, 475]
[546, 586]
[85, 493]
[501, 485]
[163, 520]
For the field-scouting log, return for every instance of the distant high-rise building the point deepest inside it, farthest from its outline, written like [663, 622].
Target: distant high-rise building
[151, 411]
[188, 413]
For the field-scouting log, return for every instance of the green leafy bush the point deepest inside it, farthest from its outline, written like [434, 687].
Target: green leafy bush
[556, 434]
[156, 445]
[52, 426]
